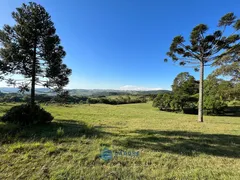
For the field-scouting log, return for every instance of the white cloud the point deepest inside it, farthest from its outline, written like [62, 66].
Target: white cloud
[137, 88]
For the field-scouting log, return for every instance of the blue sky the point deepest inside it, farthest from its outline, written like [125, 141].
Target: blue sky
[114, 44]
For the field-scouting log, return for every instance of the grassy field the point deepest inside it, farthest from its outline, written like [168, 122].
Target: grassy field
[170, 145]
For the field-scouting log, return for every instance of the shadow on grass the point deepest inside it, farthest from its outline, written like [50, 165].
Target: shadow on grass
[233, 111]
[177, 142]
[11, 133]
[185, 143]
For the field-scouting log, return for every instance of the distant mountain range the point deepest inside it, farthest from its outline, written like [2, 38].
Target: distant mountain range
[87, 92]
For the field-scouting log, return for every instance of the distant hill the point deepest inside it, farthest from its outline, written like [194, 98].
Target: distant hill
[87, 92]
[111, 92]
[16, 90]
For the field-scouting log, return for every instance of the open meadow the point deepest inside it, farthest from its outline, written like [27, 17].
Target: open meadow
[170, 145]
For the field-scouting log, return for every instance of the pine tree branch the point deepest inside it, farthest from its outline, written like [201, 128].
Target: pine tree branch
[186, 66]
[222, 32]
[190, 61]
[191, 52]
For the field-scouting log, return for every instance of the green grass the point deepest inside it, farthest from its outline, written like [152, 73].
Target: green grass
[171, 146]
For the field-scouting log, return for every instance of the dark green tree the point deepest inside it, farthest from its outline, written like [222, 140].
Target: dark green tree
[32, 49]
[163, 101]
[166, 102]
[185, 83]
[204, 48]
[157, 100]
[184, 86]
[63, 97]
[216, 93]
[226, 90]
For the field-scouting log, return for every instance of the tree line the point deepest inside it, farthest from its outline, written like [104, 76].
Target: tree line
[184, 97]
[65, 98]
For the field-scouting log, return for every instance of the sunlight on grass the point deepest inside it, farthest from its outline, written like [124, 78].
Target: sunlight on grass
[171, 145]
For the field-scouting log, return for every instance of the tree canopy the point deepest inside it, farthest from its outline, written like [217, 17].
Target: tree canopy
[32, 48]
[205, 48]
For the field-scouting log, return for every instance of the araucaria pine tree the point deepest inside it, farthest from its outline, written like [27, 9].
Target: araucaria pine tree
[32, 49]
[204, 48]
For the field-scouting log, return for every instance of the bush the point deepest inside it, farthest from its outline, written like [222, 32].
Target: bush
[214, 105]
[119, 100]
[23, 115]
[158, 100]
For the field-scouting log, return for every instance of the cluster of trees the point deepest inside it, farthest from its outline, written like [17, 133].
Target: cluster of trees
[219, 93]
[184, 97]
[210, 48]
[119, 100]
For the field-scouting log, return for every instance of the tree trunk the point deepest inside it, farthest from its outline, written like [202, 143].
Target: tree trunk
[33, 78]
[200, 101]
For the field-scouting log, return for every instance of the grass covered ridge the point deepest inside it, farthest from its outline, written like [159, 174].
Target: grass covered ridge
[171, 145]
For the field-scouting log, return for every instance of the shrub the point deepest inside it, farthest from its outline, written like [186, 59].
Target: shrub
[158, 100]
[214, 105]
[23, 115]
[92, 101]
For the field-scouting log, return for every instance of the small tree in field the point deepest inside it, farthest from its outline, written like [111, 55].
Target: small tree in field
[204, 49]
[31, 48]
